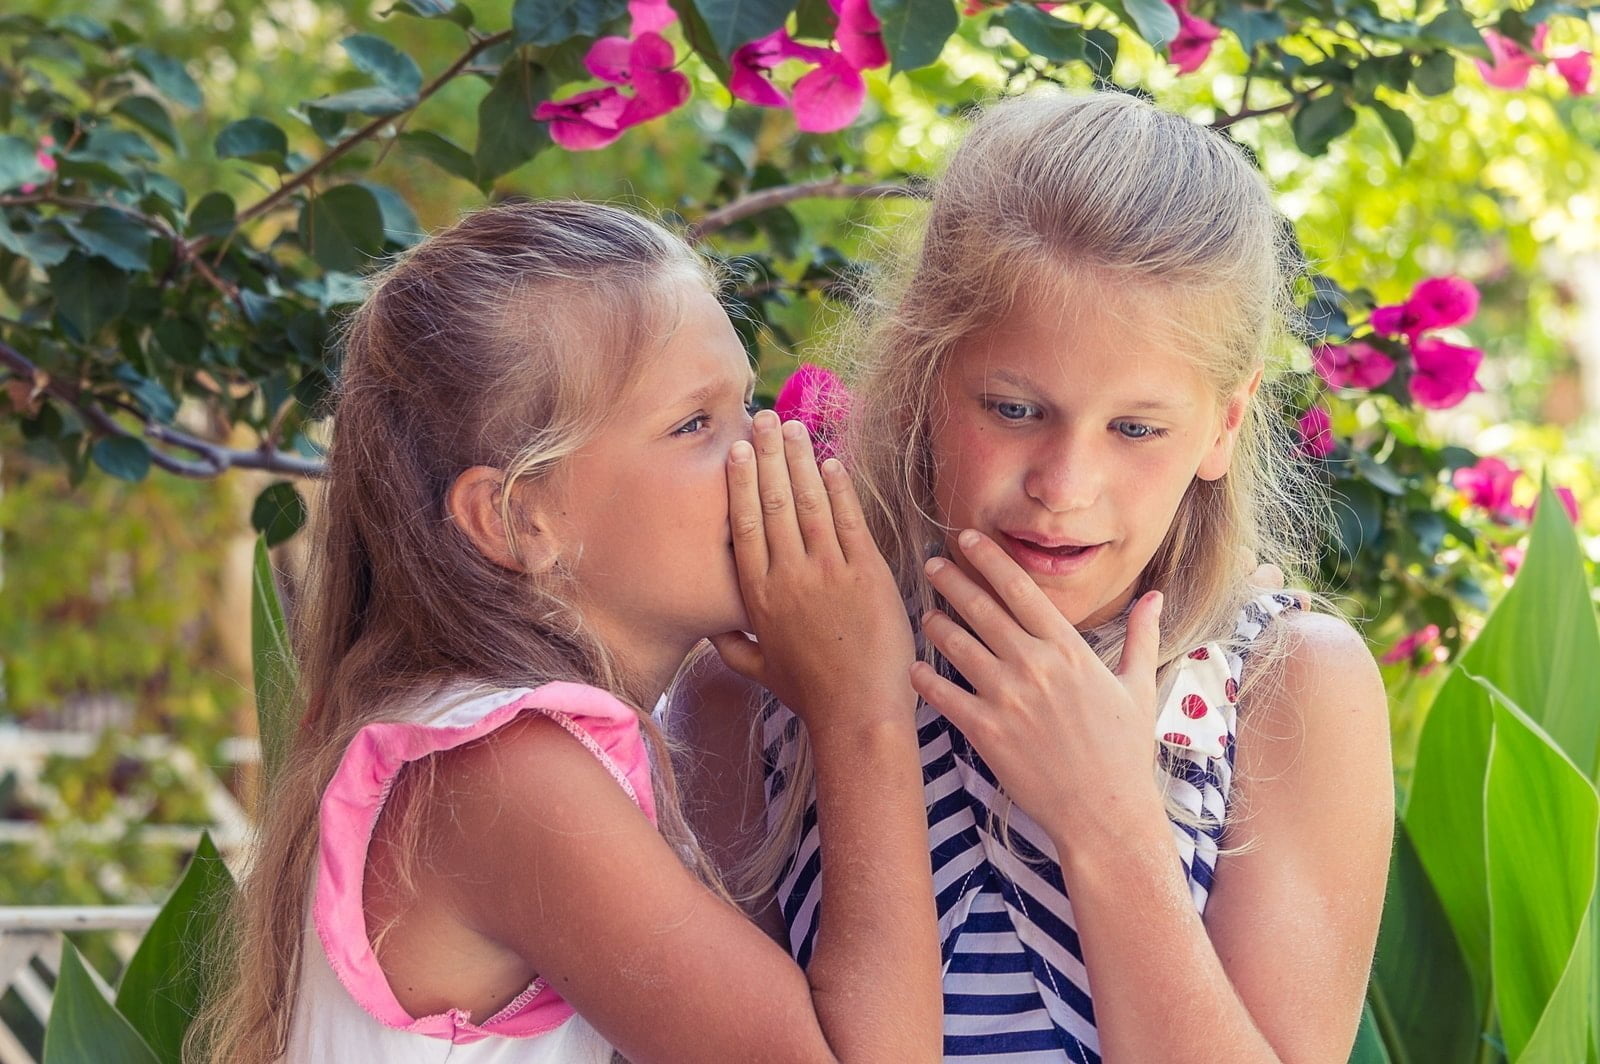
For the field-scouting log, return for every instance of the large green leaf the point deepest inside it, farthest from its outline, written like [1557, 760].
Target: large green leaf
[343, 228]
[388, 65]
[914, 31]
[84, 1027]
[167, 978]
[507, 134]
[254, 139]
[1155, 20]
[89, 293]
[1541, 815]
[114, 236]
[1427, 1019]
[549, 22]
[272, 660]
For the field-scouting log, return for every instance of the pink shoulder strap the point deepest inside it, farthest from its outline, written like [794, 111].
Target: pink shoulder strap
[355, 797]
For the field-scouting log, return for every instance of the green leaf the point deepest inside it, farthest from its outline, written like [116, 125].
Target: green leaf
[1421, 1020]
[549, 22]
[448, 10]
[84, 1027]
[1042, 33]
[114, 236]
[445, 154]
[698, 36]
[273, 664]
[1455, 28]
[1378, 475]
[19, 165]
[124, 457]
[167, 978]
[147, 111]
[507, 134]
[342, 228]
[116, 147]
[370, 100]
[169, 77]
[213, 215]
[1400, 128]
[1369, 1043]
[386, 64]
[1155, 20]
[1253, 26]
[815, 20]
[1435, 74]
[45, 246]
[89, 292]
[914, 31]
[279, 513]
[1541, 821]
[84, 27]
[151, 396]
[256, 140]
[1100, 52]
[400, 225]
[1319, 121]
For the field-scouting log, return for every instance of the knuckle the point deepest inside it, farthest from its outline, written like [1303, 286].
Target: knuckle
[1017, 587]
[774, 501]
[809, 503]
[746, 526]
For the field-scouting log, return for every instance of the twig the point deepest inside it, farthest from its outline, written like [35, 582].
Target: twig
[215, 458]
[767, 198]
[1256, 112]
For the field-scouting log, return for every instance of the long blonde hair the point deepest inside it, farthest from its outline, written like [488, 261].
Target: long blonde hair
[1104, 187]
[498, 342]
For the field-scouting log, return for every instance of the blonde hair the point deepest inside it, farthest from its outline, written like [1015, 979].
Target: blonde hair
[497, 341]
[1049, 189]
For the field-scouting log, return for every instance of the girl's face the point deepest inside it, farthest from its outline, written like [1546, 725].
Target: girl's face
[1069, 433]
[643, 515]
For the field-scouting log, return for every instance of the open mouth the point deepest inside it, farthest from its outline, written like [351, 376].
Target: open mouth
[1047, 557]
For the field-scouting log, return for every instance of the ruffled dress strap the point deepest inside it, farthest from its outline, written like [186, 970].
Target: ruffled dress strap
[355, 797]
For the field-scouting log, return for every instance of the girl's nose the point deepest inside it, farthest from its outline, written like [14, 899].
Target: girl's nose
[1064, 477]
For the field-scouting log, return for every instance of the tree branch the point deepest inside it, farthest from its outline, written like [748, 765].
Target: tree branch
[768, 198]
[215, 459]
[1251, 112]
[366, 132]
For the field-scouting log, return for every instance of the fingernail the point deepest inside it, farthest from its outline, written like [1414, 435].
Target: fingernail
[741, 451]
[793, 429]
[933, 565]
[832, 466]
[1157, 599]
[968, 539]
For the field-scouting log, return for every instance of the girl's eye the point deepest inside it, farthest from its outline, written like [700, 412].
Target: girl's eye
[693, 425]
[1135, 430]
[1013, 411]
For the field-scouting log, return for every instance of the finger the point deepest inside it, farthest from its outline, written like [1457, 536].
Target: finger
[777, 498]
[740, 653]
[1025, 600]
[1267, 576]
[1141, 651]
[812, 510]
[961, 649]
[745, 526]
[849, 520]
[988, 619]
[962, 708]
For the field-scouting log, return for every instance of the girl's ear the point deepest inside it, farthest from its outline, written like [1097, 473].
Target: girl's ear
[1219, 456]
[474, 504]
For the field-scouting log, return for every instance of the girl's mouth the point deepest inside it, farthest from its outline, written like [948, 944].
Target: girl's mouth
[1046, 560]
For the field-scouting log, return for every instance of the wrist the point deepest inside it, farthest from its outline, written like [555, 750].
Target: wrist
[1126, 828]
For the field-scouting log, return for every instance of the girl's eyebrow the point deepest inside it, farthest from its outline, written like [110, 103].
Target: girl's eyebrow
[708, 391]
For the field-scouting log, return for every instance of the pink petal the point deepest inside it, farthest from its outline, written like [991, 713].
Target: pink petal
[1193, 43]
[816, 398]
[1394, 319]
[654, 95]
[1407, 648]
[607, 59]
[1353, 365]
[585, 121]
[1488, 484]
[1578, 70]
[830, 97]
[859, 34]
[651, 16]
[1509, 65]
[1445, 373]
[1512, 557]
[1315, 432]
[1440, 302]
[651, 51]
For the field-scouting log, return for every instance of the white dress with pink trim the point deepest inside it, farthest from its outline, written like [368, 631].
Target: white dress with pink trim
[344, 1008]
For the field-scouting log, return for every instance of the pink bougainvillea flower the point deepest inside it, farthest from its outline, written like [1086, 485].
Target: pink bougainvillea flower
[607, 59]
[816, 398]
[1435, 303]
[1424, 641]
[1316, 433]
[1488, 484]
[650, 16]
[586, 121]
[1569, 503]
[46, 161]
[1577, 70]
[1509, 63]
[657, 88]
[1445, 373]
[752, 64]
[860, 34]
[1352, 365]
[1512, 557]
[830, 96]
[1194, 40]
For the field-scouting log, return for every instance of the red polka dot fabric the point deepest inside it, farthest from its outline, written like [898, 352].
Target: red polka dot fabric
[1197, 714]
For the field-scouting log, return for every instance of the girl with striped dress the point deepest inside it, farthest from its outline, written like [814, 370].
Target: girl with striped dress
[1159, 802]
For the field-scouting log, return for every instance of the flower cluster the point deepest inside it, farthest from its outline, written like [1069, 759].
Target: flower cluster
[1421, 647]
[1510, 63]
[1194, 40]
[816, 398]
[1489, 485]
[830, 94]
[1442, 373]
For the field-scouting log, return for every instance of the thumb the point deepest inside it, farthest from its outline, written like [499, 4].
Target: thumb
[740, 653]
[1142, 648]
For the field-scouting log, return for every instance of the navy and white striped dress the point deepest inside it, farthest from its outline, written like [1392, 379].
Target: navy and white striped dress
[1015, 988]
